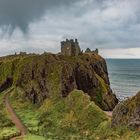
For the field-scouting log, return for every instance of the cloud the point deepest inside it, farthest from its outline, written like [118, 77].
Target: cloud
[103, 24]
[20, 13]
[121, 53]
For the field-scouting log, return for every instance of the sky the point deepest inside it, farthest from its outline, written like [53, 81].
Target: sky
[112, 26]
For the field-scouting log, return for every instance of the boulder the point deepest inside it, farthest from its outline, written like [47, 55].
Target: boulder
[127, 113]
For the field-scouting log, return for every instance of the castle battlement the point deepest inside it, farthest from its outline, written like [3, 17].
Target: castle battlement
[70, 47]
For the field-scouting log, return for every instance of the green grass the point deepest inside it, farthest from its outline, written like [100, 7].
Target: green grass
[73, 116]
[54, 80]
[8, 131]
[77, 116]
[34, 137]
[26, 111]
[6, 126]
[8, 67]
[60, 116]
[104, 131]
[102, 83]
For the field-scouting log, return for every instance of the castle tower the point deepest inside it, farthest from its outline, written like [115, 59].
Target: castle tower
[77, 48]
[70, 47]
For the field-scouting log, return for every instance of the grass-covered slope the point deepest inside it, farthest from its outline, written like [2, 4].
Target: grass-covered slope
[48, 75]
[59, 97]
[7, 128]
[73, 117]
[75, 114]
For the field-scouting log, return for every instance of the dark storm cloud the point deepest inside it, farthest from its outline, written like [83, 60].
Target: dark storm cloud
[20, 13]
[105, 24]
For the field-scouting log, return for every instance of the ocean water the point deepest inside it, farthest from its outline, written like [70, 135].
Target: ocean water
[124, 76]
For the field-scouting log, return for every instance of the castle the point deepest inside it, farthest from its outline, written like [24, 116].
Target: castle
[93, 51]
[70, 47]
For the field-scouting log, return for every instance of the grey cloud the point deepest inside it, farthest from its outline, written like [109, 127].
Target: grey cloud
[20, 13]
[96, 23]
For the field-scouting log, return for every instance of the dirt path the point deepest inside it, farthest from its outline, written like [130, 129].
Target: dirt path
[108, 113]
[14, 118]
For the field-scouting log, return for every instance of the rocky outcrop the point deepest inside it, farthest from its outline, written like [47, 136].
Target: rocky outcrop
[127, 113]
[5, 85]
[46, 75]
[92, 78]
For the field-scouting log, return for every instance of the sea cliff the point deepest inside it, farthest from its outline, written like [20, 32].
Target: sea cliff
[47, 75]
[57, 96]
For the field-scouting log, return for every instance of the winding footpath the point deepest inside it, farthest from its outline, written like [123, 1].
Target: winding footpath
[14, 118]
[108, 113]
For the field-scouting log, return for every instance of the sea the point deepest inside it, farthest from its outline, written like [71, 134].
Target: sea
[124, 75]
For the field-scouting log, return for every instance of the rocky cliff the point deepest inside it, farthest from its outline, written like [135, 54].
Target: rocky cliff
[127, 113]
[48, 75]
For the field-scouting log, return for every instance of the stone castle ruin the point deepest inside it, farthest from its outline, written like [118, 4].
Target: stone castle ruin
[70, 47]
[92, 51]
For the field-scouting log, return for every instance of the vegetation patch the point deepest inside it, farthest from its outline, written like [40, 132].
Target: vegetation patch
[27, 112]
[74, 115]
[7, 128]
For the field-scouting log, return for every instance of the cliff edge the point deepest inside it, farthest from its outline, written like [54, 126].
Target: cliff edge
[49, 75]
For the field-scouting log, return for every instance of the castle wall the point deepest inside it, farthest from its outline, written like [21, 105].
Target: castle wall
[66, 49]
[77, 49]
[70, 48]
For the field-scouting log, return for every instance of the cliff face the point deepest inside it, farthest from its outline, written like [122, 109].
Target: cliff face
[127, 113]
[49, 75]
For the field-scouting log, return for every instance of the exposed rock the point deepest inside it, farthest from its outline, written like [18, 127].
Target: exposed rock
[6, 84]
[43, 76]
[127, 113]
